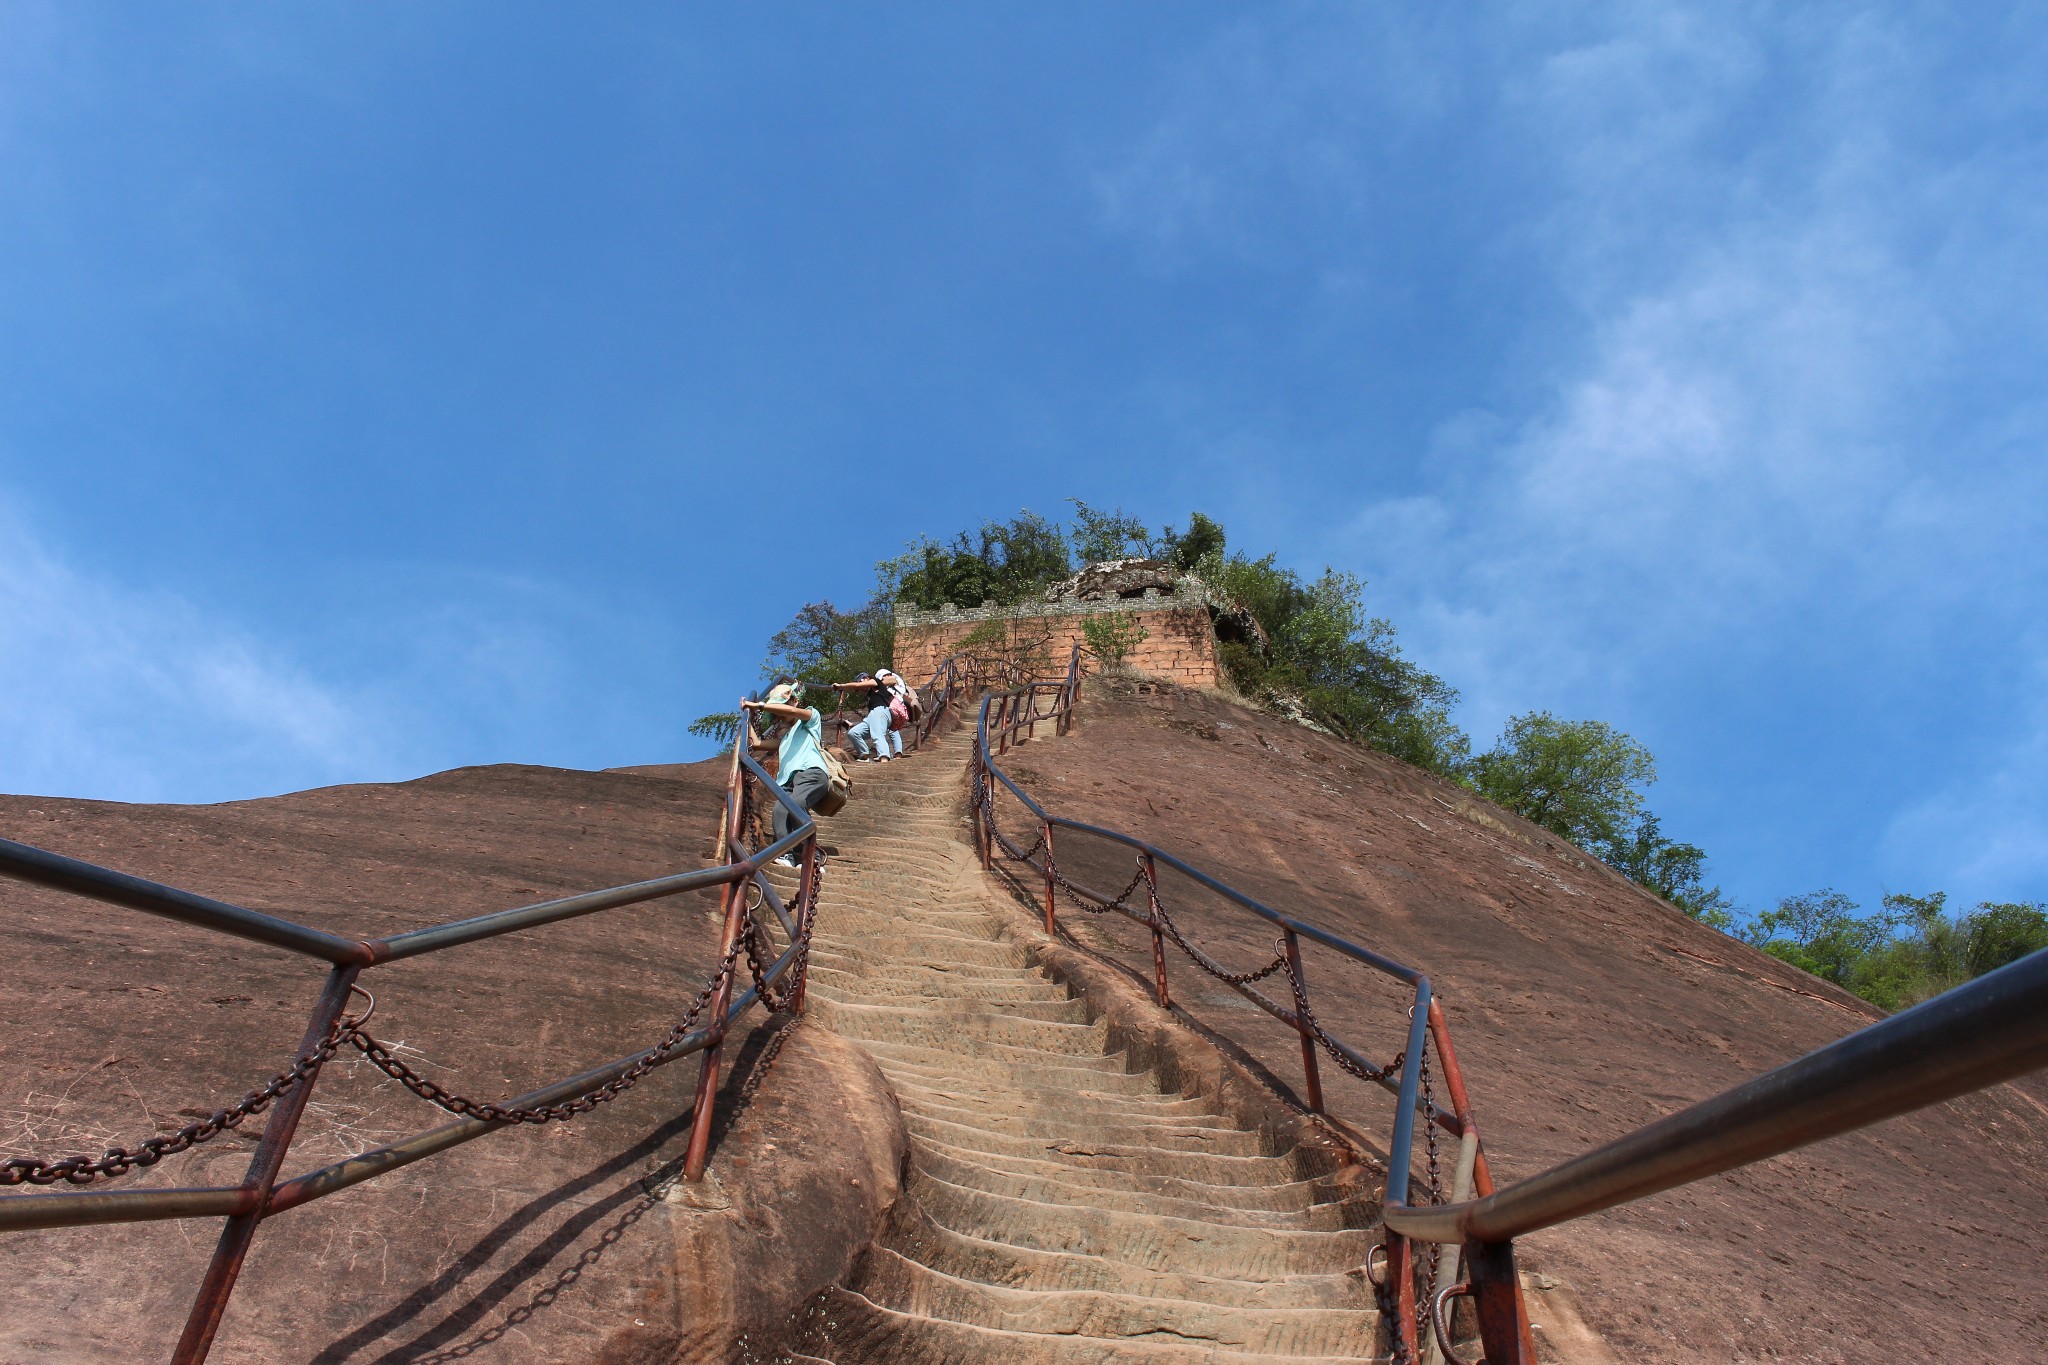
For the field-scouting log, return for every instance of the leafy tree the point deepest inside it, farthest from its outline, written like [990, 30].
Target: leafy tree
[1112, 635]
[1099, 536]
[1327, 660]
[1003, 562]
[1581, 780]
[1188, 550]
[823, 644]
[1998, 934]
[1819, 932]
[1677, 872]
[720, 727]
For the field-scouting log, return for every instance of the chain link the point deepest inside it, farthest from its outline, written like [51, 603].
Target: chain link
[117, 1161]
[114, 1161]
[1436, 1196]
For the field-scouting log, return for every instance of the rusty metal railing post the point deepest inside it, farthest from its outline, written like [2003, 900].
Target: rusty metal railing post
[807, 902]
[233, 1247]
[1051, 924]
[1301, 1025]
[734, 899]
[707, 1078]
[1401, 1287]
[984, 814]
[1461, 1104]
[1158, 936]
[1497, 1294]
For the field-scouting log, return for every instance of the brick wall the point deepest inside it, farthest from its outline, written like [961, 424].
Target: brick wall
[1179, 643]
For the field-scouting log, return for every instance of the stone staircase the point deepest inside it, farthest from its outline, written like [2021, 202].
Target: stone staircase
[1061, 1206]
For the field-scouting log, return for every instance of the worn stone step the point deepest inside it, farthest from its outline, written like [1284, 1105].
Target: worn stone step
[1163, 1132]
[1039, 1011]
[957, 1027]
[853, 958]
[1144, 1159]
[1151, 1241]
[1134, 1152]
[1165, 1175]
[991, 1057]
[895, 1282]
[914, 1235]
[974, 1093]
[862, 1332]
[936, 986]
[969, 952]
[1051, 1189]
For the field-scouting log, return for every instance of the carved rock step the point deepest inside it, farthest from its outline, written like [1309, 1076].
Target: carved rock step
[1134, 1197]
[1171, 1132]
[1149, 1241]
[957, 1027]
[916, 1237]
[1059, 1075]
[860, 959]
[894, 1282]
[1091, 1173]
[1060, 1207]
[859, 986]
[971, 1095]
[1048, 1011]
[910, 948]
[864, 1333]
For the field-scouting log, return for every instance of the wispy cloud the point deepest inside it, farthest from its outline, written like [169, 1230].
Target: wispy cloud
[1985, 833]
[1781, 405]
[123, 692]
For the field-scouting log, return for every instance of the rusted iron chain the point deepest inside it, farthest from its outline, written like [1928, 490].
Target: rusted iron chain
[1436, 1196]
[1326, 1041]
[1172, 930]
[1210, 964]
[1079, 898]
[754, 934]
[381, 1057]
[116, 1161]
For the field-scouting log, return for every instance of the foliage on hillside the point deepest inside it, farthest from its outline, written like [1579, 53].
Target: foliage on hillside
[1912, 950]
[1314, 654]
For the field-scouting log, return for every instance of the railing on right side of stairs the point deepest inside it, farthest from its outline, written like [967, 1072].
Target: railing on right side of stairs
[1982, 1033]
[1012, 717]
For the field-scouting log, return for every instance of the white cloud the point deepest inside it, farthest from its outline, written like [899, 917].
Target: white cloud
[1782, 401]
[113, 691]
[1985, 834]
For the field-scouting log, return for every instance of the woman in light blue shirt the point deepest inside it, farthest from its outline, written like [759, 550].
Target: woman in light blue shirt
[800, 761]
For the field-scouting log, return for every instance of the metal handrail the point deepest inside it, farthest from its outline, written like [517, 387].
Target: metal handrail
[1002, 716]
[1979, 1034]
[262, 1193]
[1984, 1032]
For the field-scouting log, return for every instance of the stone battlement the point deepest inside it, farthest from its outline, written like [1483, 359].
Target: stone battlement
[1179, 643]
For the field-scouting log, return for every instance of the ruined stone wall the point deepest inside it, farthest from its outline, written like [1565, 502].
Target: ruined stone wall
[1179, 643]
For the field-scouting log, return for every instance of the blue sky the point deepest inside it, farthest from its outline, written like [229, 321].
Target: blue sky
[391, 387]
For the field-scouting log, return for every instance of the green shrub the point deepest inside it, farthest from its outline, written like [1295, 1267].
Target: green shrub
[1112, 635]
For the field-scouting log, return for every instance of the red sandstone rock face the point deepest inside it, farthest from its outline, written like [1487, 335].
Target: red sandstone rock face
[1582, 1008]
[564, 1242]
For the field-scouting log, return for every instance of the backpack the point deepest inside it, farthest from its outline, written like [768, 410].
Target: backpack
[838, 786]
[899, 713]
[913, 703]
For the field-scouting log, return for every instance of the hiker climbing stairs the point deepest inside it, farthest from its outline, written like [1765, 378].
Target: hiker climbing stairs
[1061, 1206]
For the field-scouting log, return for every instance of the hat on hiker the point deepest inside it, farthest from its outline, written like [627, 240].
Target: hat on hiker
[785, 694]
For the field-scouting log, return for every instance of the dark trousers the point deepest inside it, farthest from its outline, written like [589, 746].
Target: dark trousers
[808, 786]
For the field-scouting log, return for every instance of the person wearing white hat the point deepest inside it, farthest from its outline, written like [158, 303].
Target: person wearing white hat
[800, 761]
